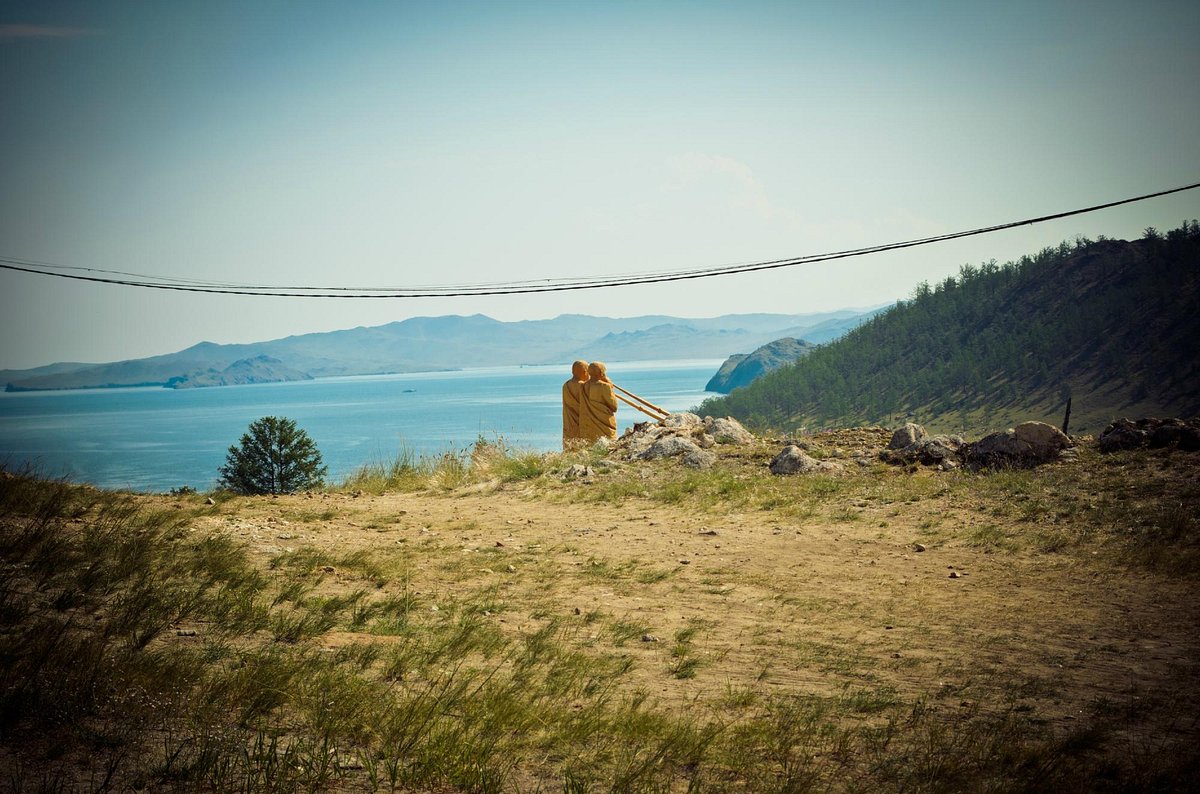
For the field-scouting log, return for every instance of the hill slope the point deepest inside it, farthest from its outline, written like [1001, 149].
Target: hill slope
[741, 369]
[1111, 323]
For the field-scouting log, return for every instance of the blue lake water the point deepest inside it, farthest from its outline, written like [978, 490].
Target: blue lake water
[155, 439]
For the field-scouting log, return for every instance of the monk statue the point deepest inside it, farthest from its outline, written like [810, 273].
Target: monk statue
[598, 408]
[572, 396]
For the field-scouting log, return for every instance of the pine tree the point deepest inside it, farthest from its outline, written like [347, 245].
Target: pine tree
[274, 456]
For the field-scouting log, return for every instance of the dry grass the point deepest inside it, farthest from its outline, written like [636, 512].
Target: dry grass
[485, 625]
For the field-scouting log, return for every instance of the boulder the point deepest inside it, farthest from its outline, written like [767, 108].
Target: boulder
[793, 460]
[669, 447]
[698, 459]
[728, 431]
[1157, 433]
[1044, 440]
[1176, 433]
[682, 421]
[910, 434]
[1029, 444]
[926, 451]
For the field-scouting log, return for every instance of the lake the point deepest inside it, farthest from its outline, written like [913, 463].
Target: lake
[156, 439]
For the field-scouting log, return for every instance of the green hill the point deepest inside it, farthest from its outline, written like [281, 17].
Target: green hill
[1110, 323]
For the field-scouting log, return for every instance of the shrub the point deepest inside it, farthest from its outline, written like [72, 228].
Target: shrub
[274, 456]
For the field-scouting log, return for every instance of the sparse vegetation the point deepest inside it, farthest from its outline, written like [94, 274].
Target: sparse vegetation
[646, 628]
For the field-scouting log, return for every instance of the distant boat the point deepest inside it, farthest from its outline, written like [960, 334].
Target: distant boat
[409, 391]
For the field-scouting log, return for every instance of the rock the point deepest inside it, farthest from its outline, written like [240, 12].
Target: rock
[682, 421]
[511, 569]
[729, 431]
[705, 441]
[1154, 433]
[926, 451]
[576, 471]
[793, 460]
[1123, 434]
[209, 501]
[1176, 433]
[1028, 444]
[670, 446]
[1045, 441]
[917, 547]
[909, 434]
[954, 575]
[649, 638]
[698, 459]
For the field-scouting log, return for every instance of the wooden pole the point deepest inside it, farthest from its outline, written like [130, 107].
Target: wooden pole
[1067, 418]
[646, 411]
[647, 403]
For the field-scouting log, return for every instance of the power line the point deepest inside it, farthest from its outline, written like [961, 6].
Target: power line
[520, 287]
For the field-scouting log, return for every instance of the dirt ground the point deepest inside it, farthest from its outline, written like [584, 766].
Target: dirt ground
[970, 593]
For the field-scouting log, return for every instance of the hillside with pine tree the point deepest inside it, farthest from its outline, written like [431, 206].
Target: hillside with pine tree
[1111, 324]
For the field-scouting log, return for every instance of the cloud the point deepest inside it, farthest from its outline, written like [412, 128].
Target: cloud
[743, 188]
[14, 32]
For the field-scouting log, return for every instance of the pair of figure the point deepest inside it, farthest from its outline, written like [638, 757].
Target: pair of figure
[589, 405]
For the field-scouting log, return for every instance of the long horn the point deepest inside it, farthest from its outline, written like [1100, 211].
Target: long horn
[646, 411]
[647, 403]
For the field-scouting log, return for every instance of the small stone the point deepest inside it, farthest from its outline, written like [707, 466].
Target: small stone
[209, 501]
[511, 569]
[328, 569]
[577, 610]
[685, 562]
[499, 544]
[649, 638]
[954, 575]
[917, 547]
[711, 532]
[185, 633]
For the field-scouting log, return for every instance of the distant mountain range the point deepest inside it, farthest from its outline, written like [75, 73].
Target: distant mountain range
[440, 343]
[1109, 324]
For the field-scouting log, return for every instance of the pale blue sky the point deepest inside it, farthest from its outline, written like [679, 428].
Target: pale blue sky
[389, 143]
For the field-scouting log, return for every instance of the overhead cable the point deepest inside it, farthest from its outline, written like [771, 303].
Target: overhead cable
[114, 277]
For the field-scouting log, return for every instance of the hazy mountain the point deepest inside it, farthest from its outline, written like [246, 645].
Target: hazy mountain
[1111, 324]
[434, 343]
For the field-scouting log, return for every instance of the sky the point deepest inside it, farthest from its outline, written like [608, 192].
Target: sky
[372, 144]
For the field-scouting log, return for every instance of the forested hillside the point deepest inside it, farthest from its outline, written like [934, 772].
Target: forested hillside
[1113, 324]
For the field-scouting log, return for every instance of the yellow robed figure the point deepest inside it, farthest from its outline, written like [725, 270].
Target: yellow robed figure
[572, 396]
[598, 408]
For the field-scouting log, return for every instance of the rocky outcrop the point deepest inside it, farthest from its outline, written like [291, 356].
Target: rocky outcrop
[1028, 444]
[741, 369]
[682, 435]
[1154, 433]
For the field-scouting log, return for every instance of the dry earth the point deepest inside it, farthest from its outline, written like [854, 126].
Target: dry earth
[1023, 590]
